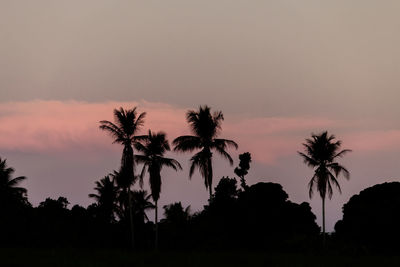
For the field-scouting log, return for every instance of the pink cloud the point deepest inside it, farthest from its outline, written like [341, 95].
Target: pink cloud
[370, 141]
[64, 125]
[49, 125]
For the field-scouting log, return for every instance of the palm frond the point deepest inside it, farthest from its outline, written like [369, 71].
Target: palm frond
[198, 161]
[113, 130]
[224, 143]
[141, 148]
[311, 186]
[224, 154]
[335, 182]
[141, 176]
[342, 153]
[95, 196]
[140, 119]
[339, 169]
[187, 143]
[308, 160]
[16, 181]
[168, 162]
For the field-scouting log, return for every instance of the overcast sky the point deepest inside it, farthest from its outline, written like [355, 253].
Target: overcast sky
[279, 70]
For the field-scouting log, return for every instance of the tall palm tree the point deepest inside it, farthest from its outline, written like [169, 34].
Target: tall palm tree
[321, 153]
[205, 128]
[153, 147]
[10, 192]
[124, 130]
[106, 197]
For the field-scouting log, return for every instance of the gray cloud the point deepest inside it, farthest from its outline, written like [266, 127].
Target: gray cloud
[266, 58]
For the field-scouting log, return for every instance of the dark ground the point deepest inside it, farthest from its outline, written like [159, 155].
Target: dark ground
[75, 257]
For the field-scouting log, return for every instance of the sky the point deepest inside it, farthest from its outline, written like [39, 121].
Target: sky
[278, 70]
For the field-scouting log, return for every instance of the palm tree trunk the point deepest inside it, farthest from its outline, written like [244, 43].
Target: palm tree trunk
[131, 219]
[323, 221]
[156, 236]
[210, 175]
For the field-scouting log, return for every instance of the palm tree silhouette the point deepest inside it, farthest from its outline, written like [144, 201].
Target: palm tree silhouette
[153, 148]
[9, 190]
[124, 130]
[321, 153]
[106, 197]
[206, 128]
[141, 203]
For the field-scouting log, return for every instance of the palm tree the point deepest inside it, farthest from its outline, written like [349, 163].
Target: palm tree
[9, 190]
[206, 128]
[153, 147]
[321, 153]
[106, 197]
[124, 130]
[141, 203]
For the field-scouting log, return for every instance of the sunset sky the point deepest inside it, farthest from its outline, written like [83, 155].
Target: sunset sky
[279, 71]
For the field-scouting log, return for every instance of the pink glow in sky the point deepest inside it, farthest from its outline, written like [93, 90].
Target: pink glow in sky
[65, 125]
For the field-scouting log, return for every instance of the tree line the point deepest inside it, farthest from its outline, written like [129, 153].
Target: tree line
[244, 216]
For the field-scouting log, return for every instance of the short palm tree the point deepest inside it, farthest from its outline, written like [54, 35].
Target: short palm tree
[205, 128]
[106, 197]
[153, 147]
[321, 153]
[141, 203]
[124, 130]
[9, 190]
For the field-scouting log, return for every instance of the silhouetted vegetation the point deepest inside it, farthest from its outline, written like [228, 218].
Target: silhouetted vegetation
[106, 199]
[206, 128]
[257, 218]
[153, 147]
[321, 153]
[243, 168]
[124, 130]
[371, 219]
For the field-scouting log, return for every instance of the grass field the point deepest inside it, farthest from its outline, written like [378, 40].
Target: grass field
[75, 257]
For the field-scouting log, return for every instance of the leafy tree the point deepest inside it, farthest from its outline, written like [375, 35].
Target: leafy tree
[106, 197]
[205, 128]
[243, 168]
[54, 204]
[321, 153]
[175, 213]
[153, 147]
[124, 130]
[371, 218]
[226, 189]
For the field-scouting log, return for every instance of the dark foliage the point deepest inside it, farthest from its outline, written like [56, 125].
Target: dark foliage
[243, 168]
[106, 198]
[371, 219]
[205, 127]
[260, 217]
[321, 153]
